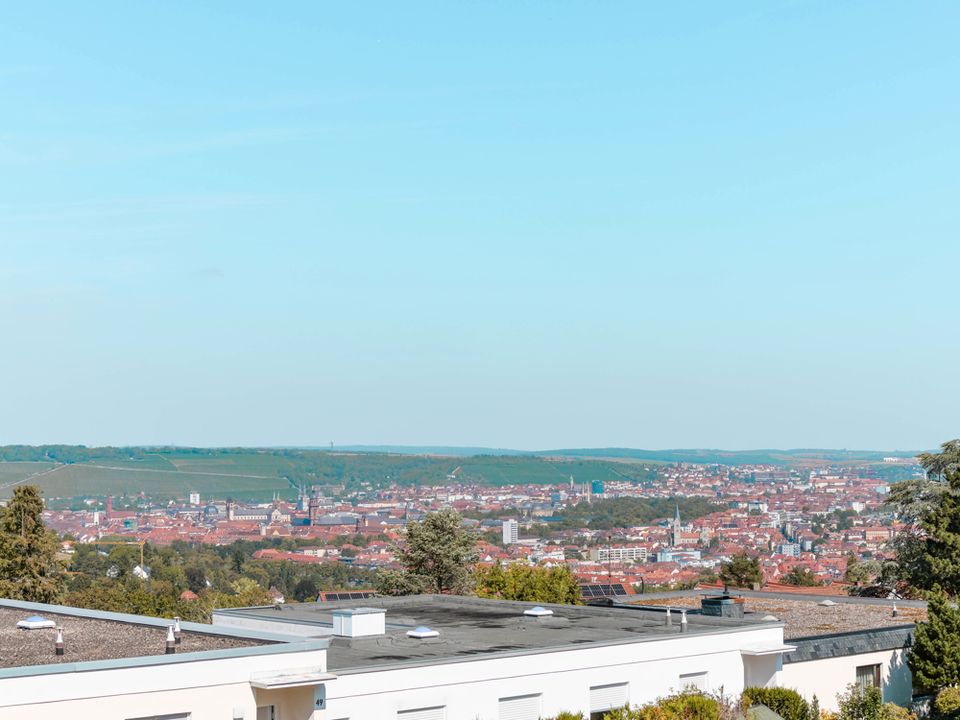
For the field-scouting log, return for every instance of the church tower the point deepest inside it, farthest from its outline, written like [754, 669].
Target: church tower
[314, 507]
[675, 530]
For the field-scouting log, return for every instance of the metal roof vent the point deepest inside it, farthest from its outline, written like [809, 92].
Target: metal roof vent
[770, 618]
[422, 632]
[538, 611]
[35, 622]
[827, 603]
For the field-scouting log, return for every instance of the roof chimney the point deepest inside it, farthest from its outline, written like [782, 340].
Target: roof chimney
[171, 641]
[669, 619]
[359, 622]
[176, 629]
[58, 645]
[683, 621]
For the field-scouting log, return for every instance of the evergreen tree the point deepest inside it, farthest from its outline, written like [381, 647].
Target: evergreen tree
[928, 549]
[935, 656]
[29, 568]
[437, 555]
[741, 571]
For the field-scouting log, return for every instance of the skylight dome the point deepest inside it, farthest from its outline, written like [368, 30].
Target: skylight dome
[421, 632]
[538, 611]
[36, 622]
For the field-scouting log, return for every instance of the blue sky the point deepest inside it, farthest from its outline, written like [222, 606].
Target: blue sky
[528, 225]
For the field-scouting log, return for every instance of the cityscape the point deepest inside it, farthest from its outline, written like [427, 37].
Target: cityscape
[479, 360]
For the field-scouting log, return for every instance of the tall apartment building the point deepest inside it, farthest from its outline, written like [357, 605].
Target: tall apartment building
[511, 532]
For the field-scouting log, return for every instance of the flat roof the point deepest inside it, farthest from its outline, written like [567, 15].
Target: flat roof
[803, 615]
[92, 639]
[473, 628]
[98, 640]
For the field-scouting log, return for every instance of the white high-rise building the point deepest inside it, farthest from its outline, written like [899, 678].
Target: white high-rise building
[511, 532]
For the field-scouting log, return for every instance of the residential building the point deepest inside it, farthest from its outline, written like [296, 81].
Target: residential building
[442, 657]
[117, 667]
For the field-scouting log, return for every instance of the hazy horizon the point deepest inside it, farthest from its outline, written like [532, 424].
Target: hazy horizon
[498, 225]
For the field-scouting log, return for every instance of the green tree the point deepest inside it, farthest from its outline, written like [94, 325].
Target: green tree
[741, 571]
[528, 583]
[437, 555]
[928, 548]
[29, 568]
[306, 590]
[801, 576]
[934, 658]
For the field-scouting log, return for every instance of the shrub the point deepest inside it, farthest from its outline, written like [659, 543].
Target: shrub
[947, 703]
[783, 701]
[567, 716]
[891, 711]
[860, 704]
[690, 705]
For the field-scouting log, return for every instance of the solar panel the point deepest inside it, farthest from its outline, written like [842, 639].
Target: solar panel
[602, 590]
[345, 595]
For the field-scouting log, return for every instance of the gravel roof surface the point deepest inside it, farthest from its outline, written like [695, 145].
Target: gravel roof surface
[804, 617]
[88, 639]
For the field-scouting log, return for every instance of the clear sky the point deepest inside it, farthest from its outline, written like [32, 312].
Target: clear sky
[514, 224]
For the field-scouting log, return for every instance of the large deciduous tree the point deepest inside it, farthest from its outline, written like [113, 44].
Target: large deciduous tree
[437, 556]
[742, 571]
[29, 568]
[527, 583]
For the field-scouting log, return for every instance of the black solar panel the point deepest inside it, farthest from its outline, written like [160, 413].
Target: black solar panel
[601, 590]
[345, 595]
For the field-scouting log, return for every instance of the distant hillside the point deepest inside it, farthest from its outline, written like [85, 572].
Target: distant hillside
[737, 457]
[703, 456]
[256, 474]
[69, 471]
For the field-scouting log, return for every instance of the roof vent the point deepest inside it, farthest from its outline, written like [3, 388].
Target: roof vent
[827, 603]
[538, 611]
[359, 622]
[422, 632]
[770, 618]
[35, 622]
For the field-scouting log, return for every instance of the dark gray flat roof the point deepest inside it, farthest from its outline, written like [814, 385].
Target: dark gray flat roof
[98, 640]
[804, 616]
[472, 628]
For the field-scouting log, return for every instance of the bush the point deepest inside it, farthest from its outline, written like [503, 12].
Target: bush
[947, 703]
[567, 716]
[867, 704]
[891, 711]
[783, 701]
[860, 703]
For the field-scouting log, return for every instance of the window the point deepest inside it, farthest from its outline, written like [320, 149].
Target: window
[521, 707]
[604, 698]
[868, 676]
[430, 713]
[267, 712]
[694, 681]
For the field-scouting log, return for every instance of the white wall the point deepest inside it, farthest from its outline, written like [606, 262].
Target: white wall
[208, 689]
[470, 690]
[830, 676]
